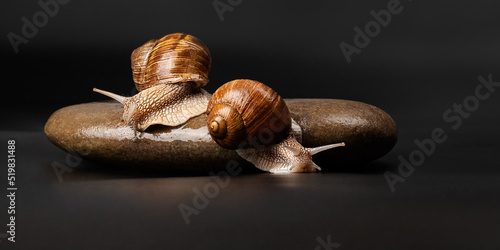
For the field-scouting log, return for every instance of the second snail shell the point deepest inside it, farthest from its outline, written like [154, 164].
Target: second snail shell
[246, 113]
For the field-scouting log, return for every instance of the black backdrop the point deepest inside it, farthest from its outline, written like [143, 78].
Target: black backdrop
[426, 58]
[428, 53]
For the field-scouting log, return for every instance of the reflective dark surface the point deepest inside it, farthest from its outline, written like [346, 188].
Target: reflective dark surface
[425, 62]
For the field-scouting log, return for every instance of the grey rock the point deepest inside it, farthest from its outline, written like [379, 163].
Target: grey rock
[96, 132]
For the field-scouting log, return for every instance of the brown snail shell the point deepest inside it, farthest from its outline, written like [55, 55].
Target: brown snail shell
[169, 73]
[176, 57]
[250, 117]
[245, 113]
[139, 60]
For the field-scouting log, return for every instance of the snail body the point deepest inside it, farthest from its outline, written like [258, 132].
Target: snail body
[169, 73]
[166, 104]
[253, 119]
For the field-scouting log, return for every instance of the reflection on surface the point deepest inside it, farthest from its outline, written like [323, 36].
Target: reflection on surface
[127, 133]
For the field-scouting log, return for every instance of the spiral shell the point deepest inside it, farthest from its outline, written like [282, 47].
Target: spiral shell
[247, 114]
[174, 58]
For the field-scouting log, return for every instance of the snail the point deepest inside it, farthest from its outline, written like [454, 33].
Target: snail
[169, 73]
[253, 119]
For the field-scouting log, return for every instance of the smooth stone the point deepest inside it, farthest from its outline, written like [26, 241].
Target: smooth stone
[368, 132]
[96, 132]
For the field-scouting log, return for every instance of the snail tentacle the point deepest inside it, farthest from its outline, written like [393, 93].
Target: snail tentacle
[316, 150]
[119, 98]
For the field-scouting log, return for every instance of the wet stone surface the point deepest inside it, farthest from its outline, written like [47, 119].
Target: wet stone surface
[96, 132]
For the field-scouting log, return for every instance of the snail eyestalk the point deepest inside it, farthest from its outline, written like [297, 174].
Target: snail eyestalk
[316, 166]
[316, 150]
[119, 98]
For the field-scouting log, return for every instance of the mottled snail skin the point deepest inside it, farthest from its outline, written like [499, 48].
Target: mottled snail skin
[288, 156]
[150, 107]
[169, 73]
[252, 118]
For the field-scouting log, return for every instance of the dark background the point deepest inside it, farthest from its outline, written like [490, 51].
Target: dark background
[424, 61]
